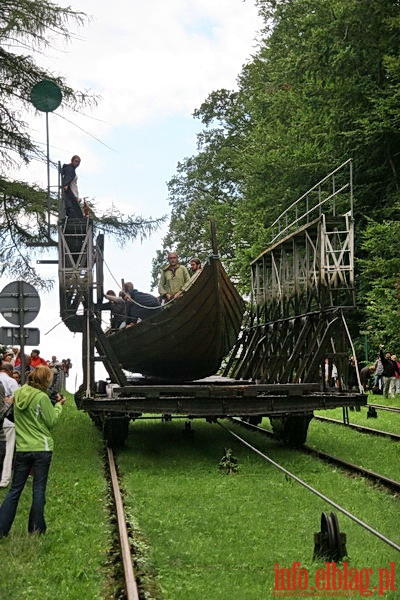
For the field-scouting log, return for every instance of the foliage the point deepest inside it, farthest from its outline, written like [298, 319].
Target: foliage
[322, 87]
[23, 222]
[27, 25]
[380, 283]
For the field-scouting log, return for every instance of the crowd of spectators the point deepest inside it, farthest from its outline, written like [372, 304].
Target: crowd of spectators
[10, 380]
[386, 374]
[380, 377]
[383, 375]
[30, 361]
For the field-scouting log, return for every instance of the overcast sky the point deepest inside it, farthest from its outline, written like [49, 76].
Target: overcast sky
[152, 63]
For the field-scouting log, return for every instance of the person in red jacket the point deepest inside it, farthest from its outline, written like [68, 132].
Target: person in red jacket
[36, 360]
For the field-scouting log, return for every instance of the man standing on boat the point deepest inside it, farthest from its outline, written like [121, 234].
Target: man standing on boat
[195, 266]
[173, 278]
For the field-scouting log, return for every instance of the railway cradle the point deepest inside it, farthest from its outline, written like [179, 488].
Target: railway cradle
[294, 403]
[303, 285]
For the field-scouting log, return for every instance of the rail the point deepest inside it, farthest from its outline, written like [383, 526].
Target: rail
[129, 574]
[305, 208]
[360, 428]
[310, 488]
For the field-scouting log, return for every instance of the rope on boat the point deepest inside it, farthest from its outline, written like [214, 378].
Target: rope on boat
[142, 305]
[131, 299]
[135, 301]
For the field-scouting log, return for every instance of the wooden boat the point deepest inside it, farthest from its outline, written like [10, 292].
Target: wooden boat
[187, 337]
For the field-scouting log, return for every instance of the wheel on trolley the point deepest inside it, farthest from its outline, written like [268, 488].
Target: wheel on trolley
[115, 431]
[330, 543]
[292, 429]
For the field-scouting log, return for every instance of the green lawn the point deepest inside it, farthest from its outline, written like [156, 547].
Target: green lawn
[199, 532]
[69, 562]
[218, 536]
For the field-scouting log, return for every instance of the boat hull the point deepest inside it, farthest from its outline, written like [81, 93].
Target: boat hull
[188, 337]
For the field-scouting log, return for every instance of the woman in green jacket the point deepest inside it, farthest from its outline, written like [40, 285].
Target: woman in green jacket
[34, 416]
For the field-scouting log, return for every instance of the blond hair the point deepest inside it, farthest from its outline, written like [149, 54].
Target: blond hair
[41, 377]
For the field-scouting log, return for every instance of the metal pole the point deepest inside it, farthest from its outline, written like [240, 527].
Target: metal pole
[22, 353]
[21, 321]
[48, 175]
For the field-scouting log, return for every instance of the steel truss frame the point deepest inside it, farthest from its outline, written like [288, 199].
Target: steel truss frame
[302, 287]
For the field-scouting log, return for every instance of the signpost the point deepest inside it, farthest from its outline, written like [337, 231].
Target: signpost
[19, 305]
[9, 336]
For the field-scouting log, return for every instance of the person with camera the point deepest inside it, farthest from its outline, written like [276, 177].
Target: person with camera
[34, 417]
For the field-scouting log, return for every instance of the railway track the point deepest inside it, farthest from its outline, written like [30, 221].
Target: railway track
[129, 583]
[394, 409]
[303, 483]
[361, 428]
[386, 482]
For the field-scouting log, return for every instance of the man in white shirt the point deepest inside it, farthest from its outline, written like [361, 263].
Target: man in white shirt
[10, 385]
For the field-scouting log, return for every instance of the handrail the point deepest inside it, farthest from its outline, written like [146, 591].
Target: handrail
[308, 212]
[316, 187]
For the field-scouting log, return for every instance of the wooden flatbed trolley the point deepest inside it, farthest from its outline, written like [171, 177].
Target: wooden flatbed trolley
[294, 332]
[211, 399]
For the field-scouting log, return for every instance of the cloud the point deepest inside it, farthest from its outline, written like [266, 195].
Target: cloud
[153, 62]
[150, 61]
[158, 57]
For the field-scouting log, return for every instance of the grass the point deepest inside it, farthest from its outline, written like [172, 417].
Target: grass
[379, 399]
[69, 562]
[386, 421]
[373, 452]
[218, 536]
[201, 533]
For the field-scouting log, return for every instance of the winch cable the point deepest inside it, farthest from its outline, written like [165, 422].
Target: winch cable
[313, 490]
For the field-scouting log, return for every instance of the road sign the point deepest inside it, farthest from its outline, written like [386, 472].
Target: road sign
[19, 303]
[10, 336]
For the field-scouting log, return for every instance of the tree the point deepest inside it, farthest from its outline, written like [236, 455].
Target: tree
[380, 283]
[323, 87]
[37, 24]
[23, 222]
[27, 25]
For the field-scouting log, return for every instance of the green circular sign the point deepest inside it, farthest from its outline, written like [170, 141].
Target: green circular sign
[46, 96]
